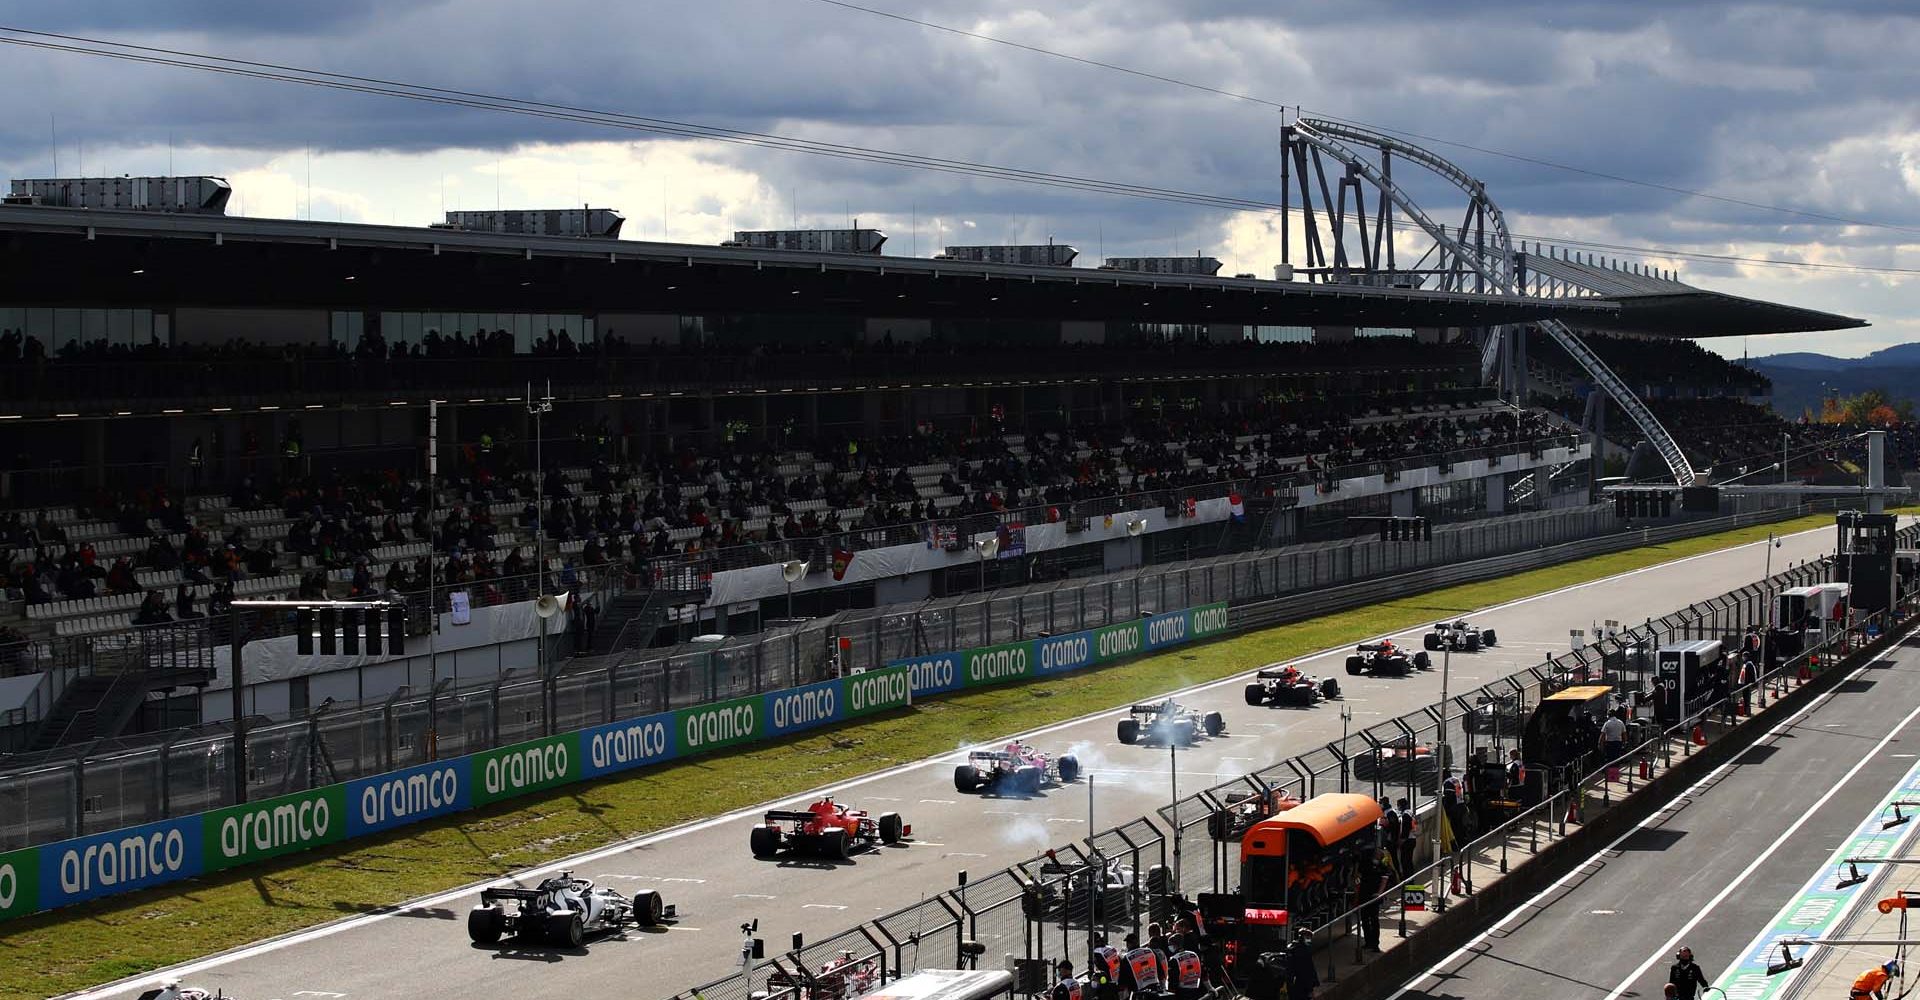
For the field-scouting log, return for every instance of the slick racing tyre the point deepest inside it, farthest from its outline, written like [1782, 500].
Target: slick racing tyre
[566, 929]
[765, 842]
[647, 908]
[1432, 641]
[965, 779]
[1214, 723]
[485, 923]
[890, 827]
[1129, 731]
[1487, 639]
[1069, 770]
[1256, 694]
[833, 844]
[1356, 666]
[1423, 661]
[1330, 689]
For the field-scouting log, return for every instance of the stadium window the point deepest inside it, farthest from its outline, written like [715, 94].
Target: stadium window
[120, 327]
[522, 333]
[93, 327]
[142, 331]
[163, 329]
[66, 329]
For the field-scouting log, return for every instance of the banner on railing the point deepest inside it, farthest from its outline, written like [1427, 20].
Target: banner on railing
[137, 857]
[1058, 654]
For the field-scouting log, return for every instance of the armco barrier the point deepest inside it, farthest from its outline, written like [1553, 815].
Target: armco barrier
[72, 871]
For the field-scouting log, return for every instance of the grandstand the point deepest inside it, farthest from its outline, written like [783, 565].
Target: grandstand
[717, 413]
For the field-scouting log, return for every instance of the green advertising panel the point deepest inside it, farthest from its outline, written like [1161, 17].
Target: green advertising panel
[1117, 642]
[1206, 621]
[525, 767]
[269, 828]
[996, 664]
[710, 727]
[876, 691]
[19, 882]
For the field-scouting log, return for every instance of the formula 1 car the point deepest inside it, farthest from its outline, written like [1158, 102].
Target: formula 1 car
[1169, 722]
[1067, 892]
[1384, 659]
[1243, 809]
[1501, 716]
[827, 829]
[561, 910]
[175, 991]
[1395, 763]
[842, 978]
[1288, 686]
[1459, 637]
[1017, 768]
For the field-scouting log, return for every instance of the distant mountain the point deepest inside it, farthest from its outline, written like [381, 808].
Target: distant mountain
[1800, 379]
[1802, 361]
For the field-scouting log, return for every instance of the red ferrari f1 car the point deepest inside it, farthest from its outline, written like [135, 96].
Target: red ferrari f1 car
[826, 829]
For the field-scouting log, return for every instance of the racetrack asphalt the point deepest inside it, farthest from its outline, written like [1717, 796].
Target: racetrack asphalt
[421, 951]
[1711, 869]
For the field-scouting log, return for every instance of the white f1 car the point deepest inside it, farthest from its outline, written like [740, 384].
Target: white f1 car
[562, 910]
[1459, 637]
[175, 991]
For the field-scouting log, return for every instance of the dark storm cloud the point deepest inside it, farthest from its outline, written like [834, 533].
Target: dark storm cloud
[1739, 98]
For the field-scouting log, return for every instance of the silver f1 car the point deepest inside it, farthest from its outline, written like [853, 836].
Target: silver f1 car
[1017, 768]
[1168, 722]
[561, 910]
[1459, 637]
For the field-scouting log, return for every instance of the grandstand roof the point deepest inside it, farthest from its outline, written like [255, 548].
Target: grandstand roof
[89, 257]
[1651, 304]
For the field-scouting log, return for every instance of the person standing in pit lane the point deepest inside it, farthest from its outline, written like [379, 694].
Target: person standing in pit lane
[1068, 988]
[1872, 984]
[1685, 977]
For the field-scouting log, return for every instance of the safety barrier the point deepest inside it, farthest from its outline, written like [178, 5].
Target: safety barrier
[1115, 882]
[135, 857]
[123, 860]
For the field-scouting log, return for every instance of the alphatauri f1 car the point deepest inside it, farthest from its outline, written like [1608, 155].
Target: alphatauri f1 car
[826, 829]
[1169, 722]
[1459, 637]
[175, 991]
[561, 910]
[1384, 659]
[1288, 686]
[1015, 768]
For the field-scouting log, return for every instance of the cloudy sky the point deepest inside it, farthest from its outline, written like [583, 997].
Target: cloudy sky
[1811, 110]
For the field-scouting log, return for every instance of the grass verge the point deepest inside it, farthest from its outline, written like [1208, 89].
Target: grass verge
[81, 946]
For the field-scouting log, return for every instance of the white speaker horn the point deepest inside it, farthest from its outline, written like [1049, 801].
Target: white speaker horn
[793, 570]
[549, 605]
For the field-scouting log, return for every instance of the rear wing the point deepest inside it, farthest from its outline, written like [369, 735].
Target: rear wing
[994, 755]
[1270, 673]
[1154, 709]
[1371, 647]
[785, 816]
[509, 892]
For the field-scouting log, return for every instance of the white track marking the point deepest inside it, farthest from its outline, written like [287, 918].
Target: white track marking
[270, 945]
[1658, 814]
[1746, 873]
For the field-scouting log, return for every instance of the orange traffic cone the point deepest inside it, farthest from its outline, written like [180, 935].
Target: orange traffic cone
[1699, 736]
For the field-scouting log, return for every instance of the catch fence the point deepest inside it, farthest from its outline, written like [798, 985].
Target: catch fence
[1116, 882]
[117, 784]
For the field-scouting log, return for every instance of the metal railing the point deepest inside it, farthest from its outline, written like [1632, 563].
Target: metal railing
[1116, 881]
[119, 785]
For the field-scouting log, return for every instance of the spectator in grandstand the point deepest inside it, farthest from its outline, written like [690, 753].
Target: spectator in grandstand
[153, 610]
[120, 579]
[183, 604]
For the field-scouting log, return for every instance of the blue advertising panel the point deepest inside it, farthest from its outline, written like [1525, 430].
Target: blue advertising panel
[631, 743]
[119, 861]
[794, 709]
[384, 801]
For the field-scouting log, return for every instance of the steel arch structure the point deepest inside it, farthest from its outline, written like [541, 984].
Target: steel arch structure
[1344, 244]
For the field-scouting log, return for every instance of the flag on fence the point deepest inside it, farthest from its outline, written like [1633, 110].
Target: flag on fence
[842, 558]
[1235, 507]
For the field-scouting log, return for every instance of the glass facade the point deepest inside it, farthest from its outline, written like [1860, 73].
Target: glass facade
[411, 328]
[59, 328]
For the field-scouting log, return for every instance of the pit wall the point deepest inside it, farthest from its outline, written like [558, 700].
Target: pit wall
[119, 861]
